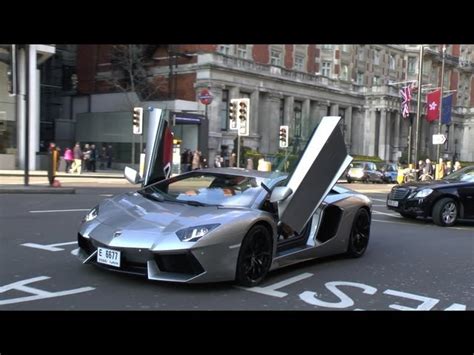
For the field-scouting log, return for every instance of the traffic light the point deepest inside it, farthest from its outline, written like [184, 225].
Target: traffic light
[137, 120]
[233, 113]
[283, 136]
[244, 117]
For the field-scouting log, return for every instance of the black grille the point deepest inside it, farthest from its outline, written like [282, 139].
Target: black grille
[179, 263]
[398, 194]
[85, 244]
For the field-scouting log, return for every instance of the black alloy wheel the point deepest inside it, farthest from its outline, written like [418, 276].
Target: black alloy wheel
[255, 257]
[360, 232]
[445, 212]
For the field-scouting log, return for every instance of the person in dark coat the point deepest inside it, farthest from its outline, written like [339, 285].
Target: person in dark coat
[53, 162]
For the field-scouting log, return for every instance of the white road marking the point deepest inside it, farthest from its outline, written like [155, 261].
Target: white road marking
[49, 247]
[106, 195]
[379, 205]
[456, 307]
[378, 199]
[407, 222]
[75, 251]
[427, 303]
[270, 290]
[54, 211]
[387, 214]
[37, 293]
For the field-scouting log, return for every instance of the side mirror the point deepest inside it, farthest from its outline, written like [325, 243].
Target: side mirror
[132, 175]
[280, 193]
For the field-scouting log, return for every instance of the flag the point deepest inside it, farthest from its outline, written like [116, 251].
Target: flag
[446, 114]
[406, 98]
[432, 100]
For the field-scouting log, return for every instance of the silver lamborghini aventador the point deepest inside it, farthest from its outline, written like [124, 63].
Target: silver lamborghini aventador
[227, 223]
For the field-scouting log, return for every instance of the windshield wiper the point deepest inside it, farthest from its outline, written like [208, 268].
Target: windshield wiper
[194, 203]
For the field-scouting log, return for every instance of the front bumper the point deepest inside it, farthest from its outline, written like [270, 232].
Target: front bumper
[209, 264]
[414, 207]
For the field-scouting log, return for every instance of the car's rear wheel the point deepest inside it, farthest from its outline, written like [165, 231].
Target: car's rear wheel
[360, 232]
[445, 212]
[255, 257]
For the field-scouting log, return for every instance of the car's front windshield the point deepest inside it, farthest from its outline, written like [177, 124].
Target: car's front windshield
[204, 189]
[463, 175]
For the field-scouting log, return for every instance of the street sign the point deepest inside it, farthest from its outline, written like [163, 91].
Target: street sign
[205, 97]
[439, 138]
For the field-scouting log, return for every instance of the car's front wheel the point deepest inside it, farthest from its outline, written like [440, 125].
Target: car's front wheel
[255, 257]
[360, 232]
[445, 212]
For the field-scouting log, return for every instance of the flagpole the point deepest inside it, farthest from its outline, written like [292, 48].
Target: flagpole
[418, 109]
[440, 104]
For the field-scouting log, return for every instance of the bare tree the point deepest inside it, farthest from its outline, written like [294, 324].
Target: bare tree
[130, 63]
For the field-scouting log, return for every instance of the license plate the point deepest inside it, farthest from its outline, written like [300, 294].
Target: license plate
[108, 257]
[392, 203]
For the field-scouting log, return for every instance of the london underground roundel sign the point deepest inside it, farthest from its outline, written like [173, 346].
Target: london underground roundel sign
[205, 97]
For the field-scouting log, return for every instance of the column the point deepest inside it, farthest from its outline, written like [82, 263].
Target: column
[382, 134]
[254, 120]
[396, 135]
[334, 111]
[269, 127]
[305, 120]
[20, 109]
[315, 115]
[33, 107]
[289, 111]
[451, 139]
[214, 121]
[348, 127]
[465, 151]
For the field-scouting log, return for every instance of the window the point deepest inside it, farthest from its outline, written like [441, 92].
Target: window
[297, 114]
[327, 46]
[242, 50]
[360, 53]
[275, 57]
[282, 112]
[375, 80]
[224, 112]
[345, 72]
[299, 62]
[392, 61]
[345, 48]
[376, 56]
[360, 78]
[412, 65]
[326, 68]
[224, 49]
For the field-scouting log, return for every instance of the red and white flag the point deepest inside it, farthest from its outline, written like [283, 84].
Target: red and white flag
[432, 99]
[406, 98]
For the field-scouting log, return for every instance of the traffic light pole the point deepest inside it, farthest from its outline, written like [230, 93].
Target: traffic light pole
[440, 105]
[27, 113]
[238, 149]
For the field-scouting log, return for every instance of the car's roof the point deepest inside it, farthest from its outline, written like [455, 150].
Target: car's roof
[242, 172]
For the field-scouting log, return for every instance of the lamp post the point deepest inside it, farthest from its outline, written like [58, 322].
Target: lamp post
[418, 110]
[441, 103]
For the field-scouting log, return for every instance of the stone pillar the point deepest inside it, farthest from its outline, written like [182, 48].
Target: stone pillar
[382, 134]
[396, 135]
[451, 139]
[213, 116]
[466, 152]
[334, 110]
[305, 120]
[289, 112]
[369, 132]
[315, 115]
[348, 127]
[269, 124]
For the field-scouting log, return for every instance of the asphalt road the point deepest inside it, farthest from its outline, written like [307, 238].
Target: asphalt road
[408, 265]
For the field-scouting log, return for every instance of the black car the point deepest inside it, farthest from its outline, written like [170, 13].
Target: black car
[445, 200]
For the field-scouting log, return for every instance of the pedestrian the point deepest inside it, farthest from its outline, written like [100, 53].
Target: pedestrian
[189, 160]
[103, 157]
[93, 158]
[69, 159]
[457, 166]
[419, 171]
[232, 160]
[86, 157]
[77, 165]
[53, 162]
[440, 167]
[196, 162]
[110, 154]
[217, 161]
[449, 168]
[428, 170]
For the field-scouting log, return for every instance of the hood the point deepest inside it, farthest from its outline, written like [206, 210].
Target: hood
[432, 184]
[132, 211]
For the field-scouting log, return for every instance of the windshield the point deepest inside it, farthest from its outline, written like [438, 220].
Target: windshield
[463, 175]
[359, 165]
[207, 189]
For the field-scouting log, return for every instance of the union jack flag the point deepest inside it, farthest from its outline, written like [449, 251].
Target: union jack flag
[406, 98]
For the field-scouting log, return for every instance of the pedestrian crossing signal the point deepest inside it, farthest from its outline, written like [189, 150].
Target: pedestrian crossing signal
[137, 120]
[233, 113]
[283, 136]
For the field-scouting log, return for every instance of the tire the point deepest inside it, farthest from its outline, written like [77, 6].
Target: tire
[255, 257]
[360, 233]
[445, 212]
[406, 215]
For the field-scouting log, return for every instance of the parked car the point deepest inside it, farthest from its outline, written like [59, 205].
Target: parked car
[364, 171]
[390, 172]
[445, 200]
[225, 224]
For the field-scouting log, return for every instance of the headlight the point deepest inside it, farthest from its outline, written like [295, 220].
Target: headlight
[193, 234]
[423, 193]
[92, 214]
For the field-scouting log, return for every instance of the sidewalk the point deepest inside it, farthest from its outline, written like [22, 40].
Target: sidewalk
[113, 174]
[35, 189]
